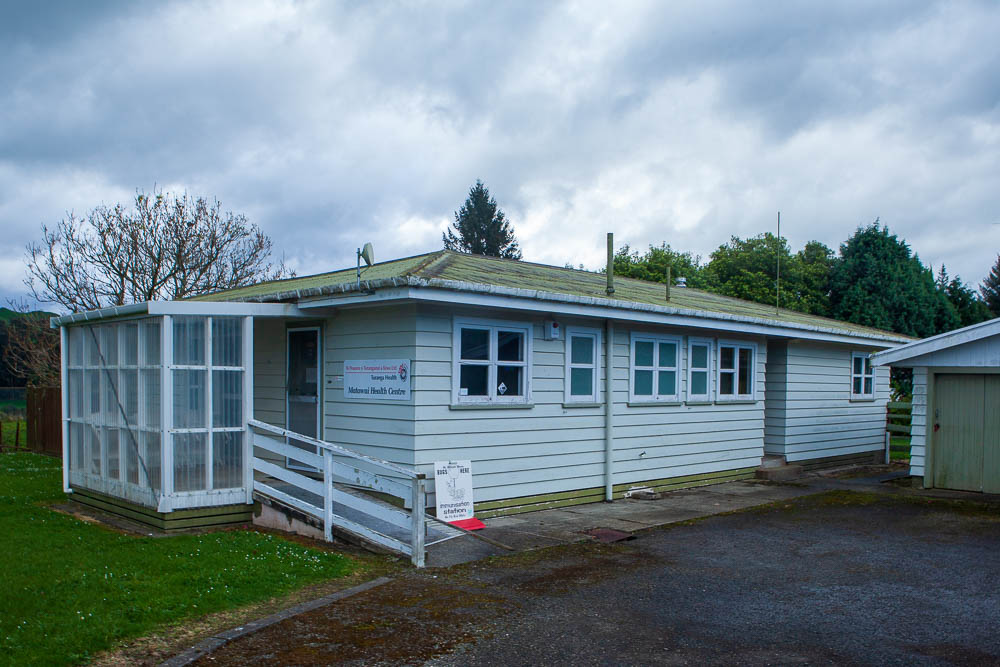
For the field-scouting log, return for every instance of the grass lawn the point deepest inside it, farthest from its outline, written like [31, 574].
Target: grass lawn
[899, 441]
[71, 589]
[10, 430]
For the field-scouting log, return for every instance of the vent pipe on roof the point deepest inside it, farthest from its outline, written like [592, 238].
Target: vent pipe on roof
[611, 263]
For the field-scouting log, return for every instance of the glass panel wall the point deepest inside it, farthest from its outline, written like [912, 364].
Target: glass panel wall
[115, 415]
[208, 420]
[116, 425]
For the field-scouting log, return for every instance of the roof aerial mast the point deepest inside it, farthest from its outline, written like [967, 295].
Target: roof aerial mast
[777, 282]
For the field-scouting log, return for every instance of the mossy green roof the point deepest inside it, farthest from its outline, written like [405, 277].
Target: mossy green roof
[459, 268]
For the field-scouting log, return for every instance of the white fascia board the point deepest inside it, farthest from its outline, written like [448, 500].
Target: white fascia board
[943, 341]
[153, 308]
[225, 308]
[623, 311]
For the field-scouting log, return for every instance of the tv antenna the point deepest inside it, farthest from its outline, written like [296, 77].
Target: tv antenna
[366, 253]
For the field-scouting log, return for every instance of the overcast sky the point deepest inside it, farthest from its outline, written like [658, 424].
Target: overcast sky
[332, 124]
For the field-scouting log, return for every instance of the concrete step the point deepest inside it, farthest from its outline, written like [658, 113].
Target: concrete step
[772, 461]
[779, 474]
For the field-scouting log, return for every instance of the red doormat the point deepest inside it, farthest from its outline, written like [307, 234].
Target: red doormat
[469, 524]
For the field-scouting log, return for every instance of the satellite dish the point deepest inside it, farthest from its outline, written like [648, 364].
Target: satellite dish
[368, 254]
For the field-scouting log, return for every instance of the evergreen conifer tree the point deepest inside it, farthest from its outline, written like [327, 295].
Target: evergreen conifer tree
[990, 289]
[481, 228]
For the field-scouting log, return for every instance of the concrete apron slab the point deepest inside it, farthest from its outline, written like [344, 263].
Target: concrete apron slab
[545, 528]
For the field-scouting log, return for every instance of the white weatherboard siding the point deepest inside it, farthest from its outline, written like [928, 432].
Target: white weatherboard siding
[269, 375]
[376, 427]
[918, 426]
[813, 416]
[671, 439]
[984, 353]
[549, 447]
[269, 371]
[775, 391]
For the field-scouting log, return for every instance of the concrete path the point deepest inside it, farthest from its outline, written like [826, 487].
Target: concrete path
[536, 530]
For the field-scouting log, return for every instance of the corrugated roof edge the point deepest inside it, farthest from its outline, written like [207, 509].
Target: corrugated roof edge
[558, 297]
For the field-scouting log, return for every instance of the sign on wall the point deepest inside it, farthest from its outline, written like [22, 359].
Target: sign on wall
[377, 378]
[453, 488]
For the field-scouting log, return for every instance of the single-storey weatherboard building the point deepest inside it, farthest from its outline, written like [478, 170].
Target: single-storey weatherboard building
[558, 388]
[955, 427]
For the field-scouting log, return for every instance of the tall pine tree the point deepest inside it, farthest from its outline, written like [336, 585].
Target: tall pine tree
[990, 289]
[481, 228]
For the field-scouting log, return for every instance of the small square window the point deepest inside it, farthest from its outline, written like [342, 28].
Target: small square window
[862, 377]
[491, 363]
[655, 368]
[736, 372]
[699, 370]
[582, 365]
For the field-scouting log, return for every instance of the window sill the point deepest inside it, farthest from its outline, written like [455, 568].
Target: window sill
[583, 404]
[491, 406]
[862, 399]
[736, 401]
[699, 403]
[646, 404]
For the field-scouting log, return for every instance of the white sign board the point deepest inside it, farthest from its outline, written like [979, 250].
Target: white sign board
[453, 487]
[377, 378]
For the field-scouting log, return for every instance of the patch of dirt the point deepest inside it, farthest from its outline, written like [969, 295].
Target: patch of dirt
[430, 613]
[417, 616]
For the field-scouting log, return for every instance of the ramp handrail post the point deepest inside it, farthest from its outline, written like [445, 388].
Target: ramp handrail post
[328, 495]
[418, 519]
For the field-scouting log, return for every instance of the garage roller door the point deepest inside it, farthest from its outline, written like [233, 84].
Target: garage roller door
[967, 432]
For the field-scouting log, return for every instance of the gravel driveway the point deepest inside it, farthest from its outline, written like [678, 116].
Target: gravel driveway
[836, 578]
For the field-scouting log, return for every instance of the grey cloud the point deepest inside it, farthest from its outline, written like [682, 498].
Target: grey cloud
[330, 124]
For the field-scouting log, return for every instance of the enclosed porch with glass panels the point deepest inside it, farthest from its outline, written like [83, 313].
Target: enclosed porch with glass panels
[155, 409]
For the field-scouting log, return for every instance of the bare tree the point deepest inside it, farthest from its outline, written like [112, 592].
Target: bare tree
[165, 247]
[32, 350]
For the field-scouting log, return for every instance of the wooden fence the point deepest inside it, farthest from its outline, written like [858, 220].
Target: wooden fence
[45, 420]
[898, 416]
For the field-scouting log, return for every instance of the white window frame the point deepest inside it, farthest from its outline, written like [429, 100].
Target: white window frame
[595, 367]
[656, 397]
[736, 397]
[865, 359]
[494, 326]
[710, 376]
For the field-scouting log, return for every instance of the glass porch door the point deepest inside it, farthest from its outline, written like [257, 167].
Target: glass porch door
[302, 406]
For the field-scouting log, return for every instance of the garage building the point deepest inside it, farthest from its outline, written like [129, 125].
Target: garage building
[955, 440]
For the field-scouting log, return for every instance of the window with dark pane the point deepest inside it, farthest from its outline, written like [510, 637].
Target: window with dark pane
[474, 380]
[475, 344]
[510, 346]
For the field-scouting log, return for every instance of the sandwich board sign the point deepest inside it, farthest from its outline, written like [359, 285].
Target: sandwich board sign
[453, 489]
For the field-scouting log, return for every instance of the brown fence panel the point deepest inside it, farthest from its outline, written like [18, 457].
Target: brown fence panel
[45, 420]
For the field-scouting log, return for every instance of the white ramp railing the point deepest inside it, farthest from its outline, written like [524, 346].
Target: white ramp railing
[379, 522]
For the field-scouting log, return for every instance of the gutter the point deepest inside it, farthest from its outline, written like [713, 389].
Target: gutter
[100, 314]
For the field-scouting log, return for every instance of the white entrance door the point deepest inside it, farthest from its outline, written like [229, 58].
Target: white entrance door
[302, 406]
